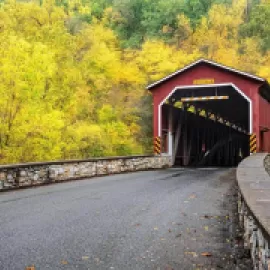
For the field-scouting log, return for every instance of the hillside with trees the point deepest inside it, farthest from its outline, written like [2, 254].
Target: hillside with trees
[73, 73]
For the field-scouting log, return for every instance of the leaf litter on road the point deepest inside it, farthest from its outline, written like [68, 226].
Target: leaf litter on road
[206, 217]
[194, 254]
[206, 254]
[192, 196]
[32, 267]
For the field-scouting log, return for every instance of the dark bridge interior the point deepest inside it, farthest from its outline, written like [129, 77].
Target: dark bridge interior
[207, 132]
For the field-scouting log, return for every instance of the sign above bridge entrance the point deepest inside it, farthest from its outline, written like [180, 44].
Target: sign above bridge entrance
[204, 81]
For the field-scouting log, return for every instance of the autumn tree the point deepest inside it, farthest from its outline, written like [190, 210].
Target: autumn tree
[73, 73]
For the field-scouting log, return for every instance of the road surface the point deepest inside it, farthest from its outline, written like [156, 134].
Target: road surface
[170, 219]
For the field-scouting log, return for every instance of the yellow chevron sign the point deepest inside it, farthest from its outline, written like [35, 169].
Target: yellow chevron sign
[253, 143]
[157, 145]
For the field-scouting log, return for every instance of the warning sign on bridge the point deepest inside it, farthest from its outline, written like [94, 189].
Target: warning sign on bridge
[253, 143]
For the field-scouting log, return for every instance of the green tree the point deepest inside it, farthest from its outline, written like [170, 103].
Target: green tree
[258, 25]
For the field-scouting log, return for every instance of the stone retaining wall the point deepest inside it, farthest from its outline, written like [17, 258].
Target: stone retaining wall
[32, 174]
[254, 207]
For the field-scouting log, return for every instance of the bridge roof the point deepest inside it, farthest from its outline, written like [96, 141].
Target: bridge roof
[211, 63]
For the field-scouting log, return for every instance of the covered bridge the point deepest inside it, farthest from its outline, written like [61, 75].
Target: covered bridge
[210, 114]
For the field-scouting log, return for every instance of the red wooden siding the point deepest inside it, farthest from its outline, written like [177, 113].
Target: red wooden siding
[249, 86]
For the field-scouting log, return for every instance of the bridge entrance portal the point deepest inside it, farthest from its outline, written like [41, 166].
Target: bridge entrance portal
[206, 125]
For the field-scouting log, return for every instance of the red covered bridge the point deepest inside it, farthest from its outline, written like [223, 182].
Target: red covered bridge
[210, 114]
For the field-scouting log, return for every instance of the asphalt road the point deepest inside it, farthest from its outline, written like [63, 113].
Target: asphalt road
[171, 219]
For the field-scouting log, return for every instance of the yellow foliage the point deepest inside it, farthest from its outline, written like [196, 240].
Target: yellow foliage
[53, 82]
[157, 59]
[68, 89]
